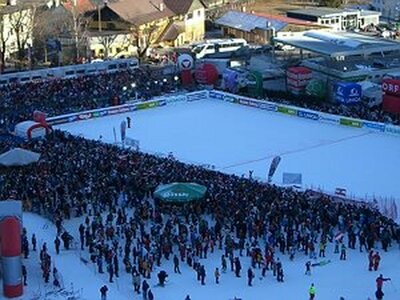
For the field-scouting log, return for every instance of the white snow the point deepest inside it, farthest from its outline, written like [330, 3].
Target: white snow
[236, 139]
[349, 279]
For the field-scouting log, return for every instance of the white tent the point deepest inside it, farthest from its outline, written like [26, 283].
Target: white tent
[31, 130]
[18, 157]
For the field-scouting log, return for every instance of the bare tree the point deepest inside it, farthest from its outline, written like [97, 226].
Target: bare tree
[4, 37]
[79, 27]
[143, 39]
[106, 40]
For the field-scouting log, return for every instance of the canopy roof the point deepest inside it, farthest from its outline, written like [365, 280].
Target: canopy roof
[18, 157]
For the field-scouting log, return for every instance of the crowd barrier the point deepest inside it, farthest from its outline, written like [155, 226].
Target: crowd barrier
[113, 110]
[219, 95]
[306, 113]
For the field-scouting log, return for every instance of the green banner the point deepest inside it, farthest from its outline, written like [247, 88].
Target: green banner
[288, 111]
[255, 84]
[351, 123]
[147, 105]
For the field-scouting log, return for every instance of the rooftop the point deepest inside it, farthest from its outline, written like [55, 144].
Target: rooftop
[339, 44]
[327, 11]
[248, 22]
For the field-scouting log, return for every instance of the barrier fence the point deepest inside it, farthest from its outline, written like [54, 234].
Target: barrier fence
[306, 113]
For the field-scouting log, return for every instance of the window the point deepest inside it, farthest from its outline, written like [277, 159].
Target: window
[199, 13]
[189, 16]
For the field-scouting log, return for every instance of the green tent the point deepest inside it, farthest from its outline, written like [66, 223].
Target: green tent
[180, 192]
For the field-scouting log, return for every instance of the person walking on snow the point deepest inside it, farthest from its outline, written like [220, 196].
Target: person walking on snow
[308, 268]
[176, 265]
[380, 280]
[250, 276]
[311, 291]
[376, 260]
[217, 275]
[103, 292]
[370, 260]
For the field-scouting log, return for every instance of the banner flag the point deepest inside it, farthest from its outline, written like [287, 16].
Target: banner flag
[274, 165]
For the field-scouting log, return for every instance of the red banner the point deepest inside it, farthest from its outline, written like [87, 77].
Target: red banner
[391, 104]
[391, 86]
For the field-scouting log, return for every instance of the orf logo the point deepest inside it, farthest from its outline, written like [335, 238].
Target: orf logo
[185, 62]
[354, 93]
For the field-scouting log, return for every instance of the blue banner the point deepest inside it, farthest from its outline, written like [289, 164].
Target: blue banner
[308, 115]
[347, 93]
[374, 126]
[268, 106]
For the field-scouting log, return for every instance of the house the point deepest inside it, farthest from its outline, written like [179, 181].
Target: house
[259, 28]
[390, 9]
[336, 18]
[149, 23]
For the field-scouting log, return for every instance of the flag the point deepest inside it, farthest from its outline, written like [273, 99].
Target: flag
[274, 165]
[123, 131]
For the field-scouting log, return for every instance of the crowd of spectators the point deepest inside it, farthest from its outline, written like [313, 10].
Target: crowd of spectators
[67, 95]
[112, 187]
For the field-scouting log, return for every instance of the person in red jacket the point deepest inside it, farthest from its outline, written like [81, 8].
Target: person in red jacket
[380, 280]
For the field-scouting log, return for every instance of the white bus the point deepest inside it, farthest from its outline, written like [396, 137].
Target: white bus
[71, 71]
[217, 46]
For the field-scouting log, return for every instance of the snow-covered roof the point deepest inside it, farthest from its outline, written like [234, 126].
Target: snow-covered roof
[248, 22]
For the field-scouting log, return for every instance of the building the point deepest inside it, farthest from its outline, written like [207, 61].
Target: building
[347, 56]
[143, 23]
[338, 19]
[390, 9]
[260, 28]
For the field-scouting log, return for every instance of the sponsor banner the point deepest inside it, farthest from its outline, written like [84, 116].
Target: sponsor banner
[391, 86]
[244, 101]
[230, 98]
[350, 122]
[172, 100]
[374, 126]
[287, 110]
[162, 102]
[328, 119]
[307, 115]
[147, 105]
[85, 116]
[268, 106]
[196, 96]
[216, 95]
[392, 129]
[272, 168]
[60, 121]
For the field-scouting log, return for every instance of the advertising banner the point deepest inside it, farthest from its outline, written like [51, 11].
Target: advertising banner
[254, 81]
[307, 115]
[392, 129]
[230, 80]
[286, 110]
[350, 123]
[274, 165]
[374, 126]
[391, 87]
[123, 131]
[347, 93]
[268, 106]
[216, 95]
